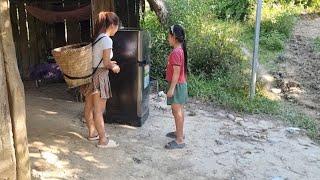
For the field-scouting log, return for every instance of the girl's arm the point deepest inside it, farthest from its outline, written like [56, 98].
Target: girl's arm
[175, 78]
[108, 63]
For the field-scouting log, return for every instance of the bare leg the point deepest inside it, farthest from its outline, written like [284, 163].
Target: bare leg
[88, 115]
[99, 107]
[177, 111]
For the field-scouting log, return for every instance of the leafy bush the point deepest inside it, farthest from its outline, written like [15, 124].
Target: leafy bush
[282, 24]
[236, 10]
[315, 4]
[210, 47]
[276, 26]
[273, 41]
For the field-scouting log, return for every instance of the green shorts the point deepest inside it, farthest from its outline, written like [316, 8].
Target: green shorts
[180, 95]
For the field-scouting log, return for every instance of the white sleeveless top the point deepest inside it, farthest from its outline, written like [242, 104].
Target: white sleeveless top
[97, 49]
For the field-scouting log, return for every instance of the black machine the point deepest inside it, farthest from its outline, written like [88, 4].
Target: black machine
[130, 88]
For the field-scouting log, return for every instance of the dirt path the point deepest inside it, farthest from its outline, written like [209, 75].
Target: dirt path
[219, 146]
[299, 76]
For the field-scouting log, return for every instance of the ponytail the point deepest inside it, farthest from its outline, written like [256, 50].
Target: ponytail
[104, 21]
[184, 47]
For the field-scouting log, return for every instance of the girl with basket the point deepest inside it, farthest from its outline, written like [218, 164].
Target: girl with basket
[99, 91]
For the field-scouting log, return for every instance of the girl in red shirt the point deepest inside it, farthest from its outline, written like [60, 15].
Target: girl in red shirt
[176, 75]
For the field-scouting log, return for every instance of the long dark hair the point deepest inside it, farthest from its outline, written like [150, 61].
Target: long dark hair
[179, 33]
[103, 21]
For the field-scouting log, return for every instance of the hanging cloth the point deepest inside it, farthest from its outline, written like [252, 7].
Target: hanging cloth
[48, 16]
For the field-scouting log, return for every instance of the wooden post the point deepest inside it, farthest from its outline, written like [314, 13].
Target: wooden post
[15, 94]
[23, 40]
[255, 59]
[15, 32]
[123, 12]
[34, 41]
[60, 39]
[7, 153]
[73, 28]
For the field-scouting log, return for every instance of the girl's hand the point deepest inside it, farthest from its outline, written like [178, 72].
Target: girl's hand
[170, 93]
[113, 62]
[115, 68]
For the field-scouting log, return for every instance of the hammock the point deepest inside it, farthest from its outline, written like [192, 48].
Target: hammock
[48, 16]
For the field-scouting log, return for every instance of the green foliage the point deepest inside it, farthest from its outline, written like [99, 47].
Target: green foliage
[235, 10]
[210, 47]
[315, 4]
[219, 69]
[222, 90]
[160, 49]
[304, 3]
[281, 24]
[298, 119]
[272, 41]
[276, 27]
[317, 44]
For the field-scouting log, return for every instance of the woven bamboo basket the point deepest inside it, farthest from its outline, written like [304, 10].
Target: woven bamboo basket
[75, 61]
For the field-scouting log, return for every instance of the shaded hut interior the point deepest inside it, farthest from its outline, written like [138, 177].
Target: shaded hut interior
[34, 38]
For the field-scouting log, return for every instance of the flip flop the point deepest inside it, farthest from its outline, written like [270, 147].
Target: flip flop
[111, 144]
[173, 135]
[95, 138]
[174, 145]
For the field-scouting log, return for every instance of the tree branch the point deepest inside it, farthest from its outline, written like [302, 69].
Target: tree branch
[159, 7]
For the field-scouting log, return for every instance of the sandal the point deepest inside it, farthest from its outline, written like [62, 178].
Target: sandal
[110, 144]
[173, 135]
[174, 145]
[95, 138]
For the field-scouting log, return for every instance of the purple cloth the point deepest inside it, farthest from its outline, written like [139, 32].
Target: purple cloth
[48, 71]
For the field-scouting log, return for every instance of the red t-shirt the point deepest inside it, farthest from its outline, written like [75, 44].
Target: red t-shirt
[176, 58]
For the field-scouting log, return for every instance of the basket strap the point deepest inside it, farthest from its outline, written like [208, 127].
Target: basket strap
[95, 42]
[95, 69]
[87, 76]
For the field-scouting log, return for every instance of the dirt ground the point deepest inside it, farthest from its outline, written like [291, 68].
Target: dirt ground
[299, 66]
[220, 144]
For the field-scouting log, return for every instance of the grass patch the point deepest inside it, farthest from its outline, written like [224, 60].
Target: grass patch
[292, 116]
[317, 44]
[217, 90]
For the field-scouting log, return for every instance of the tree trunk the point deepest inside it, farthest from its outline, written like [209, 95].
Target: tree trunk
[7, 153]
[15, 93]
[159, 7]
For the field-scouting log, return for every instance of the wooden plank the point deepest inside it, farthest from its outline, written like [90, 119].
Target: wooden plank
[101, 5]
[43, 45]
[16, 95]
[73, 27]
[33, 42]
[59, 39]
[121, 7]
[49, 33]
[23, 40]
[85, 31]
[15, 33]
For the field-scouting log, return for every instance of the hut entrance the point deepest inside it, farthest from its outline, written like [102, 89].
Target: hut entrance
[40, 26]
